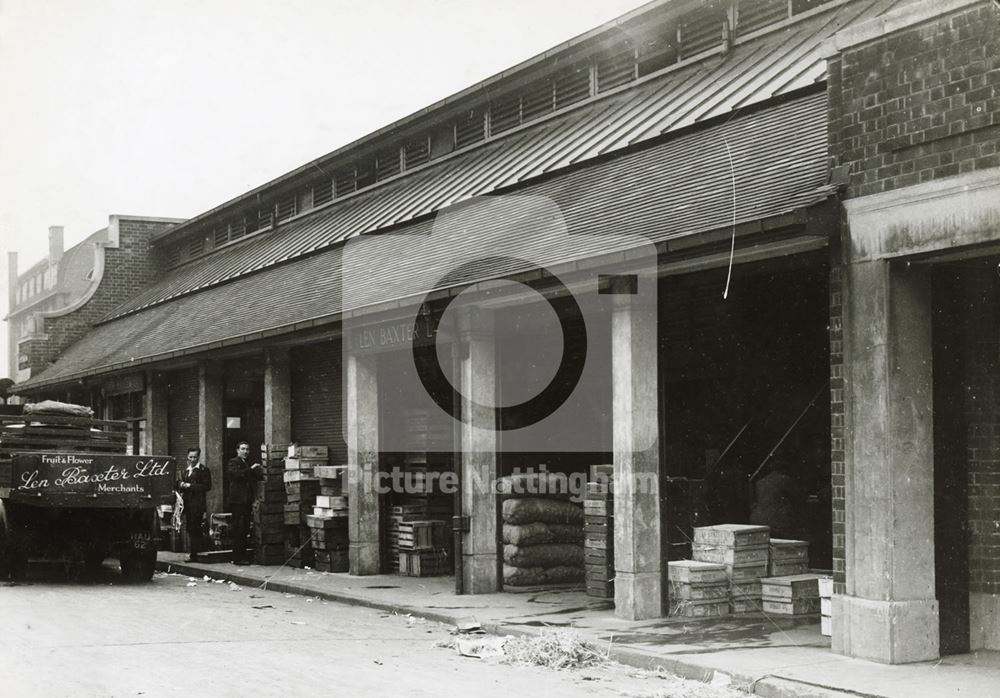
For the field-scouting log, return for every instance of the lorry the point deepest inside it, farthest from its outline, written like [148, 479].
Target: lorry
[70, 493]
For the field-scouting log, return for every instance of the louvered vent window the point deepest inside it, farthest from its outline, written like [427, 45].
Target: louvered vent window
[752, 15]
[220, 236]
[322, 192]
[345, 182]
[537, 100]
[658, 50]
[387, 164]
[701, 30]
[237, 228]
[417, 152]
[469, 128]
[365, 174]
[304, 200]
[616, 67]
[285, 208]
[173, 257]
[196, 247]
[265, 217]
[251, 224]
[505, 113]
[572, 86]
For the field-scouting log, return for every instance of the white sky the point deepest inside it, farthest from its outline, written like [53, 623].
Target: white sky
[170, 108]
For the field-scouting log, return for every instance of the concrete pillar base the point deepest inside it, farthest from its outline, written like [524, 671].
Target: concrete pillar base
[363, 558]
[984, 619]
[891, 632]
[479, 573]
[637, 595]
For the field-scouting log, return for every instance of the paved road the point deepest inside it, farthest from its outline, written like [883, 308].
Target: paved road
[177, 636]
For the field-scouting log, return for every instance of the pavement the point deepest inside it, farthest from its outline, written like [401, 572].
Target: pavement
[762, 654]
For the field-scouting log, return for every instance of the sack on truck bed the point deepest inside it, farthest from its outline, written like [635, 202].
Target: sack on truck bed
[53, 407]
[546, 555]
[532, 509]
[537, 533]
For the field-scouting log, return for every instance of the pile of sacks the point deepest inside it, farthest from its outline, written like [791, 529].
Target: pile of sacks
[543, 538]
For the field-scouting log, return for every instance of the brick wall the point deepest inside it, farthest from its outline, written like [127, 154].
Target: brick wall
[920, 104]
[838, 501]
[127, 268]
[982, 410]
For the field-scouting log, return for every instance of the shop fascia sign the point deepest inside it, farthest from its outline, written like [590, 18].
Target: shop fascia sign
[91, 479]
[392, 334]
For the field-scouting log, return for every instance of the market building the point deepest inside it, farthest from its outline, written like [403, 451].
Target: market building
[819, 182]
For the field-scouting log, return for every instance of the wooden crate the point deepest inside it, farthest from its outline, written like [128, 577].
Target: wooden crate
[601, 590]
[422, 535]
[732, 536]
[301, 451]
[695, 572]
[728, 555]
[424, 563]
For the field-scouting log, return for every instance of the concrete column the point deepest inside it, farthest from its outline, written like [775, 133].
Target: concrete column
[277, 397]
[363, 523]
[211, 391]
[638, 574]
[157, 433]
[479, 451]
[889, 613]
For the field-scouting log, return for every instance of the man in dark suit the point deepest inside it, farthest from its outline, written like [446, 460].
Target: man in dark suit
[194, 483]
[242, 478]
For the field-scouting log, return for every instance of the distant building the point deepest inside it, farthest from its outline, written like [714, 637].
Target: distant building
[53, 303]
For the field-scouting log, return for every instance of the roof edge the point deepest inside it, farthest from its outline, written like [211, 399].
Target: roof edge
[785, 220]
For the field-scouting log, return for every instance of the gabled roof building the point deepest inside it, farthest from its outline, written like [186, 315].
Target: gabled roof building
[816, 186]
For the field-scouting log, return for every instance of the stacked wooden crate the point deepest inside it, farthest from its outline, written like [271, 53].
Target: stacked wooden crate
[422, 501]
[269, 534]
[599, 534]
[791, 595]
[398, 516]
[743, 551]
[826, 606]
[331, 479]
[328, 528]
[788, 557]
[424, 548]
[698, 589]
[302, 486]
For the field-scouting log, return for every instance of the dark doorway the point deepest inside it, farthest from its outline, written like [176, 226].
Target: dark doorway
[243, 416]
[951, 471]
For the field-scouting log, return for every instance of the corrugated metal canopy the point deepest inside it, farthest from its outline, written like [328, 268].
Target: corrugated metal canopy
[668, 191]
[752, 73]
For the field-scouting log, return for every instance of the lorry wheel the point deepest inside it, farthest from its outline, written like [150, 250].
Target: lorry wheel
[18, 566]
[92, 561]
[138, 566]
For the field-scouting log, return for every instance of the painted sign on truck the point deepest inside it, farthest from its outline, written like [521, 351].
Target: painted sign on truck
[91, 479]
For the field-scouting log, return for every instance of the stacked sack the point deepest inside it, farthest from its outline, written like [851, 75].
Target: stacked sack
[542, 532]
